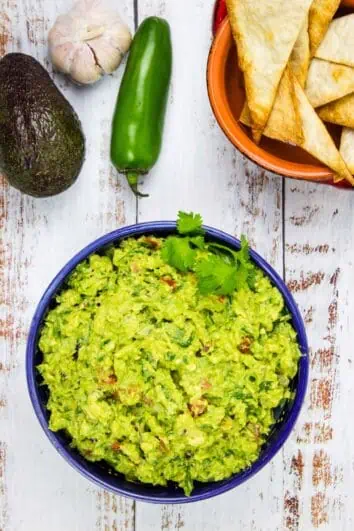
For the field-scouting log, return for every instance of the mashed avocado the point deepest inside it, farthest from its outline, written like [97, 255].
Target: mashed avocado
[158, 380]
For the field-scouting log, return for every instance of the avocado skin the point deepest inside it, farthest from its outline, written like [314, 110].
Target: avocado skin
[42, 146]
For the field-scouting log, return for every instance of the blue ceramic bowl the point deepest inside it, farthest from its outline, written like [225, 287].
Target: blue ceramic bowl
[101, 474]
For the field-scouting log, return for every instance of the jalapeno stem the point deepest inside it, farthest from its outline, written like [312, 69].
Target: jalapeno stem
[133, 178]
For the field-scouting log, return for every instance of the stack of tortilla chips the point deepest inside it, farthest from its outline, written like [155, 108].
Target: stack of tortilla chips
[295, 58]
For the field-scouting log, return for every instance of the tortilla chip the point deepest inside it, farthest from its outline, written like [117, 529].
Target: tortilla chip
[317, 140]
[265, 34]
[347, 147]
[284, 122]
[320, 16]
[300, 56]
[314, 139]
[340, 112]
[338, 44]
[328, 82]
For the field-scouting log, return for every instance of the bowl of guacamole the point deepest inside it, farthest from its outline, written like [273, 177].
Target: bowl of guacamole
[167, 362]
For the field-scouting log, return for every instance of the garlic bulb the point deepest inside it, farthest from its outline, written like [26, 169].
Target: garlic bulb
[89, 41]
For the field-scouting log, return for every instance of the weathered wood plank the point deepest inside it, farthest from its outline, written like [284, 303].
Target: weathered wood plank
[307, 486]
[37, 489]
[319, 266]
[200, 171]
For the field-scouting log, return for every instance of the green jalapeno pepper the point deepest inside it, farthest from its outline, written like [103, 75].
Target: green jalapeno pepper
[139, 116]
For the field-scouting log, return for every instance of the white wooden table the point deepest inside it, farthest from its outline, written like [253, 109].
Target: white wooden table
[306, 231]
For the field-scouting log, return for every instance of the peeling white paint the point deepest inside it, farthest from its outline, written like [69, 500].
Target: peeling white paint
[309, 484]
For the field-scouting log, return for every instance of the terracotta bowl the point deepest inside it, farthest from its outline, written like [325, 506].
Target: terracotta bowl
[227, 97]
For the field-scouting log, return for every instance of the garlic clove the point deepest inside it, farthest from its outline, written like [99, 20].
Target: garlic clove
[63, 57]
[65, 29]
[84, 69]
[91, 32]
[107, 56]
[120, 37]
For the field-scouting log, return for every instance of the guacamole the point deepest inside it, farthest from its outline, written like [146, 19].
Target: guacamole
[163, 383]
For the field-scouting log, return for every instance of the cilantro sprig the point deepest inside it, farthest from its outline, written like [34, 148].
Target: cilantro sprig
[189, 223]
[178, 253]
[221, 271]
[215, 275]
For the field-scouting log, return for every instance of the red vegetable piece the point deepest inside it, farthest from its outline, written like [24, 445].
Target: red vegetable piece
[220, 12]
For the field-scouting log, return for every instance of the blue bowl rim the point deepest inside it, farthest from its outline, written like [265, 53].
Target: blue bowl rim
[139, 230]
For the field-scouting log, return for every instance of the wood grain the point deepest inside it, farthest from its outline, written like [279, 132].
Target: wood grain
[304, 230]
[319, 268]
[38, 491]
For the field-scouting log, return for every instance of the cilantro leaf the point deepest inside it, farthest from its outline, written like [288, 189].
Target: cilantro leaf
[177, 252]
[252, 276]
[198, 241]
[244, 253]
[246, 270]
[189, 223]
[242, 275]
[216, 276]
[227, 253]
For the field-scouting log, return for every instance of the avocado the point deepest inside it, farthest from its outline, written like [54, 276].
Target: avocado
[42, 146]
